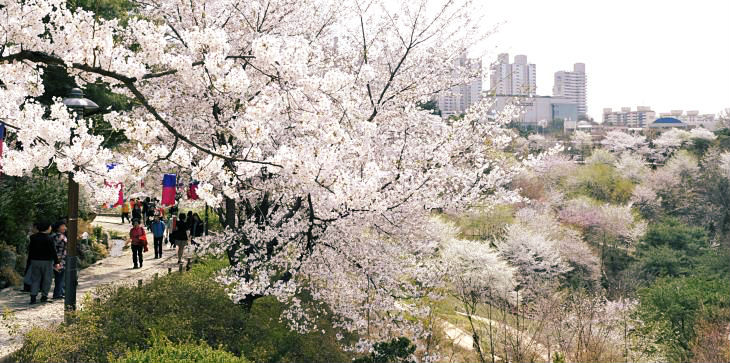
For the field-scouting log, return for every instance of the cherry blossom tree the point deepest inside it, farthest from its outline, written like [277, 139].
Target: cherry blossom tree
[477, 274]
[582, 141]
[538, 261]
[299, 119]
[619, 141]
[631, 166]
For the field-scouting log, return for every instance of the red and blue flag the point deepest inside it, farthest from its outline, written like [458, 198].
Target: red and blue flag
[169, 182]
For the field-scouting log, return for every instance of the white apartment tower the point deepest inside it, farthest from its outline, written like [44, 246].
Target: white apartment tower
[456, 100]
[572, 85]
[518, 78]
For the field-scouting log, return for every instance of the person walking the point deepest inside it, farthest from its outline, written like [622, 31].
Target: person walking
[180, 235]
[43, 260]
[125, 211]
[158, 232]
[59, 241]
[26, 283]
[147, 211]
[136, 211]
[139, 243]
[196, 228]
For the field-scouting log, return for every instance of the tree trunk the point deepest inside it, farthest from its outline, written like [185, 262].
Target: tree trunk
[230, 221]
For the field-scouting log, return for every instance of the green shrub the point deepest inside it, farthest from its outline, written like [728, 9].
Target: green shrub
[676, 235]
[188, 307]
[9, 277]
[398, 350]
[671, 307]
[601, 182]
[163, 351]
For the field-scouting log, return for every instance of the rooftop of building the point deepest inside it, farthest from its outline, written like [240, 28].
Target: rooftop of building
[667, 120]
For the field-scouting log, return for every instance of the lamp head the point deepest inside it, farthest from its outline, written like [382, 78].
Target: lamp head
[76, 100]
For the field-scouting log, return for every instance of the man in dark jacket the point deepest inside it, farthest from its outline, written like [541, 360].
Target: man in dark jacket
[43, 260]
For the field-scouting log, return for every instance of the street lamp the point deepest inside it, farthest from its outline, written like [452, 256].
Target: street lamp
[78, 105]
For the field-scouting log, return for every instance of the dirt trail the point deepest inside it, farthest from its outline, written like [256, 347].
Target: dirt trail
[107, 271]
[537, 347]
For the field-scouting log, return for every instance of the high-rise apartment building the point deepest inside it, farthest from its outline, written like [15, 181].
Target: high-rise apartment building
[642, 117]
[572, 85]
[456, 100]
[518, 78]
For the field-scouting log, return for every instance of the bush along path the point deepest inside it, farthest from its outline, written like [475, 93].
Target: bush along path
[18, 316]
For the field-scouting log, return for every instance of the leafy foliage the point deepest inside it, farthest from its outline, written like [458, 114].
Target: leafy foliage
[184, 308]
[163, 351]
[602, 182]
[398, 350]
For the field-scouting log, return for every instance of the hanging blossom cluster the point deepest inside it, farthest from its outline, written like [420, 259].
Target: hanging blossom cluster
[299, 117]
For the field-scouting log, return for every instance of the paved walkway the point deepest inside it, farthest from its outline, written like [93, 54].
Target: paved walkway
[109, 270]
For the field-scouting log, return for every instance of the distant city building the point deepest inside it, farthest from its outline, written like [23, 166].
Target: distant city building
[693, 118]
[518, 78]
[536, 109]
[572, 85]
[457, 100]
[642, 117]
[667, 123]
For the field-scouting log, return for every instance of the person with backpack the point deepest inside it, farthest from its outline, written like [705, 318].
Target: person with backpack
[139, 243]
[158, 232]
[43, 260]
[180, 235]
[59, 241]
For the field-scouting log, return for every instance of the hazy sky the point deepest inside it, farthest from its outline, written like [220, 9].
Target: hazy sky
[666, 54]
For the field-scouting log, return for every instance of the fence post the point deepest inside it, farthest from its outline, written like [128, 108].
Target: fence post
[169, 270]
[139, 283]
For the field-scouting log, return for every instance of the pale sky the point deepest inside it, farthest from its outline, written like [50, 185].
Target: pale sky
[666, 54]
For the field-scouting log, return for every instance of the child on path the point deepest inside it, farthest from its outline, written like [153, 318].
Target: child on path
[139, 243]
[158, 231]
[59, 241]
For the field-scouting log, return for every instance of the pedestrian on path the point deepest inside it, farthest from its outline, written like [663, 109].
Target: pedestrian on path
[136, 211]
[43, 260]
[139, 243]
[26, 284]
[125, 211]
[59, 241]
[196, 228]
[158, 232]
[180, 235]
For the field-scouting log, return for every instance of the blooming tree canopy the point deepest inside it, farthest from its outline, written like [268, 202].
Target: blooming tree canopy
[298, 117]
[619, 141]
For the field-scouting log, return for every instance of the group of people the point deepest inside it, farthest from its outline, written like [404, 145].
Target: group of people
[46, 261]
[178, 231]
[141, 210]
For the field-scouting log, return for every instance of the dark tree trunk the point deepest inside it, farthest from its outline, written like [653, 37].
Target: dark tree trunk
[230, 213]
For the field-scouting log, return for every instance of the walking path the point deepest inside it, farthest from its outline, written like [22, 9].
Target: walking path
[529, 342]
[109, 270]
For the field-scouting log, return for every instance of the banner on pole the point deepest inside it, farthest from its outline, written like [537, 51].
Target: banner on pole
[169, 182]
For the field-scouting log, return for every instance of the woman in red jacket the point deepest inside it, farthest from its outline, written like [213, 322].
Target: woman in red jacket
[139, 242]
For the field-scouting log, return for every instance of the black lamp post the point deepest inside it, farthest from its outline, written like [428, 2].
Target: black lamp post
[78, 105]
